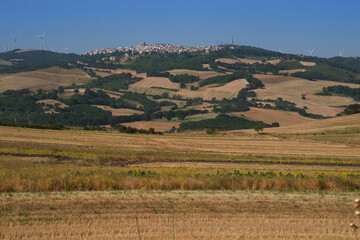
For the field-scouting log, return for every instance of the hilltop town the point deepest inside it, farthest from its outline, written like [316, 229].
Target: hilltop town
[158, 48]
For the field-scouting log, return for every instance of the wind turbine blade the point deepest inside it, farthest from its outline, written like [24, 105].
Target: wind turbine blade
[43, 35]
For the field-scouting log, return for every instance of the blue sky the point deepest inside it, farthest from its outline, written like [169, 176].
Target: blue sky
[293, 26]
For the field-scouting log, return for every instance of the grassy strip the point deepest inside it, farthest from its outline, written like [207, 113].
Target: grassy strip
[41, 177]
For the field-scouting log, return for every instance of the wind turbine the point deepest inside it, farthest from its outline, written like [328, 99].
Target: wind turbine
[66, 50]
[41, 39]
[14, 43]
[311, 52]
[340, 53]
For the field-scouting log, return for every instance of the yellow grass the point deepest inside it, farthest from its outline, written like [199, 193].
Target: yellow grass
[155, 82]
[270, 116]
[50, 78]
[227, 60]
[193, 144]
[229, 90]
[119, 111]
[194, 215]
[292, 71]
[308, 64]
[158, 126]
[51, 102]
[200, 74]
[274, 62]
[291, 89]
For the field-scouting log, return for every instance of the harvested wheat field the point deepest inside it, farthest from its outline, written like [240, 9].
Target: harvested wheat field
[200, 74]
[308, 64]
[50, 78]
[179, 214]
[228, 90]
[291, 89]
[159, 82]
[119, 111]
[269, 116]
[292, 71]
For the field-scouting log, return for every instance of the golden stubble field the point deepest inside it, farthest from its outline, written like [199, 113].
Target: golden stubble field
[30, 161]
[178, 214]
[50, 78]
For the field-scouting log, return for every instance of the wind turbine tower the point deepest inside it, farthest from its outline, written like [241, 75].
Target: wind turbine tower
[66, 50]
[14, 43]
[311, 52]
[340, 53]
[41, 40]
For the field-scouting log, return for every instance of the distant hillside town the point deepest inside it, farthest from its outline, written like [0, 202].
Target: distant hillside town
[158, 48]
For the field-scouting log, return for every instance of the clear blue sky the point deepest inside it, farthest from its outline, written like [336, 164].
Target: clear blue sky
[293, 26]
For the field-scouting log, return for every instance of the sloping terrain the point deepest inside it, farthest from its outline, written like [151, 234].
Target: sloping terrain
[269, 116]
[50, 78]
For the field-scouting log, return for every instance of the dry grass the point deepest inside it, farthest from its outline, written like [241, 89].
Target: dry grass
[50, 78]
[308, 64]
[229, 90]
[190, 145]
[291, 89]
[155, 82]
[270, 116]
[53, 102]
[203, 215]
[292, 71]
[200, 74]
[274, 62]
[119, 111]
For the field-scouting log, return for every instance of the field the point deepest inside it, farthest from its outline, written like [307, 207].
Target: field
[291, 89]
[293, 182]
[270, 116]
[50, 78]
[178, 214]
[200, 74]
[119, 111]
[155, 82]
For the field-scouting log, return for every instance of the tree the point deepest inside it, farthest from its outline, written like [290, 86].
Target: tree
[76, 91]
[61, 89]
[259, 129]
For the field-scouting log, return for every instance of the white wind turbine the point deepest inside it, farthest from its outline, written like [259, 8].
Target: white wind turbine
[66, 50]
[311, 52]
[41, 39]
[341, 53]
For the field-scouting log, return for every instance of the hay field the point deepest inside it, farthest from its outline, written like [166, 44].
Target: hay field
[291, 89]
[158, 126]
[160, 82]
[119, 111]
[196, 145]
[50, 78]
[308, 64]
[229, 90]
[274, 62]
[200, 74]
[292, 71]
[269, 116]
[186, 214]
[238, 60]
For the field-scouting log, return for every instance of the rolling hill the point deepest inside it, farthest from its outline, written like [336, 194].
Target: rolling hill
[166, 90]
